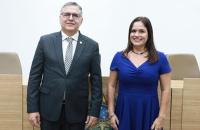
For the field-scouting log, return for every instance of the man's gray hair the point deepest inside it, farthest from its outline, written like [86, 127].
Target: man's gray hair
[74, 4]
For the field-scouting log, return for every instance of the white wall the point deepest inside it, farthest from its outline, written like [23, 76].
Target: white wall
[176, 25]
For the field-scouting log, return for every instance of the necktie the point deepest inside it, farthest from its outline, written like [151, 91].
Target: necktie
[68, 56]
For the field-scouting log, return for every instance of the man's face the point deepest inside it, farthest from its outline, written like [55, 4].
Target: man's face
[70, 19]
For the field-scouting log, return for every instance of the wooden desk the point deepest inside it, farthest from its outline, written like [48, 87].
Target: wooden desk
[185, 104]
[184, 109]
[191, 104]
[176, 104]
[10, 102]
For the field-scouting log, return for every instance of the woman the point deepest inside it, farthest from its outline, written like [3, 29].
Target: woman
[136, 71]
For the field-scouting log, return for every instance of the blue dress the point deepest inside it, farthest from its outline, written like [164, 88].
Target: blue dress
[137, 103]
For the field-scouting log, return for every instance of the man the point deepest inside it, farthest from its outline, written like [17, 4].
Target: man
[58, 87]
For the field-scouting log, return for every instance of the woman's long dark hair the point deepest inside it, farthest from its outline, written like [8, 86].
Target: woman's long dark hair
[152, 53]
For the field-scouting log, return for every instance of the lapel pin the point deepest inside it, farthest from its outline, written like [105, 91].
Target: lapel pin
[81, 42]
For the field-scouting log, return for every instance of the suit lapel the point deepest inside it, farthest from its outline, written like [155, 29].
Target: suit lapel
[59, 52]
[58, 49]
[79, 48]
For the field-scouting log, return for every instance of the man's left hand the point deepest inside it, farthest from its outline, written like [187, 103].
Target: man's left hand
[91, 121]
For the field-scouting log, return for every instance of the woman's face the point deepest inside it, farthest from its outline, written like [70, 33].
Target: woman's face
[139, 34]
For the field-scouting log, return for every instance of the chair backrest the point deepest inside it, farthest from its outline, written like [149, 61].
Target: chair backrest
[9, 63]
[183, 66]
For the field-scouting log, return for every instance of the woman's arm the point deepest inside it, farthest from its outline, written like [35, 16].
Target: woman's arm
[165, 98]
[112, 85]
[165, 80]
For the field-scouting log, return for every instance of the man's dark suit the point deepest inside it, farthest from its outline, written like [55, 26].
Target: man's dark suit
[48, 80]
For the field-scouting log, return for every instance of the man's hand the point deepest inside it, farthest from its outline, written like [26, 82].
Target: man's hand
[91, 121]
[34, 119]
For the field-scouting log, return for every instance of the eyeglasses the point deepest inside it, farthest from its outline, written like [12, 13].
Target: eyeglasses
[68, 15]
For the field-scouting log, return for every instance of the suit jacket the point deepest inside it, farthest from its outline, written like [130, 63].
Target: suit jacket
[48, 80]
